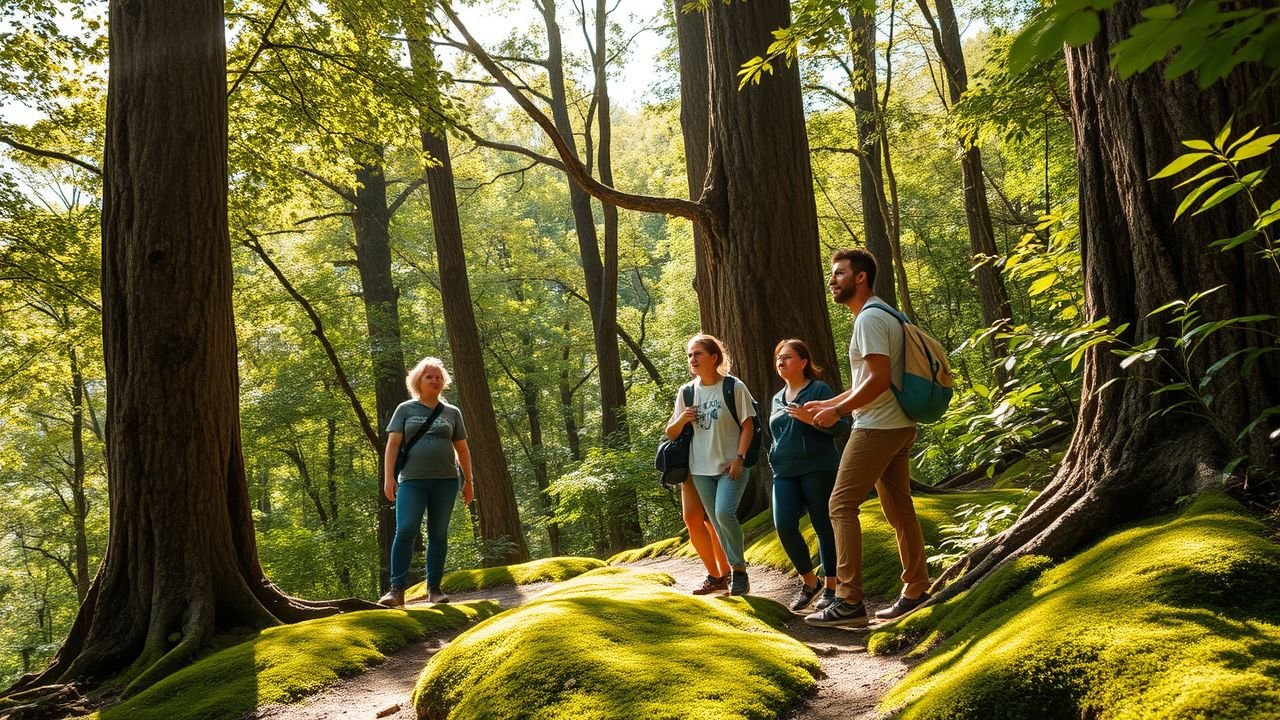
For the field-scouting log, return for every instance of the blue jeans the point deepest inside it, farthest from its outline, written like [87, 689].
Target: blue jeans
[435, 498]
[720, 496]
[792, 497]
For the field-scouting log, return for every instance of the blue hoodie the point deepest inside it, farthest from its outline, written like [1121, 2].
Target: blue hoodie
[798, 448]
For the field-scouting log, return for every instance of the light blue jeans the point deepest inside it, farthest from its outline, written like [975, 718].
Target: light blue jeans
[720, 497]
[415, 498]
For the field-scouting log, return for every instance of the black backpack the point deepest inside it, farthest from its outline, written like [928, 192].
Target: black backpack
[673, 455]
[757, 427]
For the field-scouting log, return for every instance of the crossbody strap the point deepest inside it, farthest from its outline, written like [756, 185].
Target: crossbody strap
[425, 427]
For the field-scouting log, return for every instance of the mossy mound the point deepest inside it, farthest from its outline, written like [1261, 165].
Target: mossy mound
[1177, 617]
[667, 546]
[283, 664]
[620, 643]
[552, 569]
[881, 567]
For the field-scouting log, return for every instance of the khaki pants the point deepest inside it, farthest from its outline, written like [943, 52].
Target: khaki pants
[876, 458]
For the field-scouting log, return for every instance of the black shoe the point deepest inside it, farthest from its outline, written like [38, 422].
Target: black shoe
[711, 584]
[803, 596]
[824, 602]
[739, 583]
[901, 607]
[840, 613]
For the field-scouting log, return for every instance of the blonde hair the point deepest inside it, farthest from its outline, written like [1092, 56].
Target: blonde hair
[414, 378]
[711, 345]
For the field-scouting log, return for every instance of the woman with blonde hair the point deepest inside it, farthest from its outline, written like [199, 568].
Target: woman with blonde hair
[717, 459]
[434, 439]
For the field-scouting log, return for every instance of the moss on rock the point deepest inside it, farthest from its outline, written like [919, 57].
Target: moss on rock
[620, 643]
[285, 663]
[1174, 617]
[553, 569]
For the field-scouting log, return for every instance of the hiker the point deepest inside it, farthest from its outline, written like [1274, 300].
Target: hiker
[877, 452]
[804, 459]
[436, 437]
[717, 456]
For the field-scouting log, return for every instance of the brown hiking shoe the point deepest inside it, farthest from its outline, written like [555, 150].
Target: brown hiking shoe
[393, 598]
[712, 584]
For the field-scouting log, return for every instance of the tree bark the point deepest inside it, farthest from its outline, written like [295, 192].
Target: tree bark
[181, 556]
[1123, 462]
[498, 513]
[79, 502]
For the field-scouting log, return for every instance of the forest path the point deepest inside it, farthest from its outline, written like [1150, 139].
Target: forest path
[850, 685]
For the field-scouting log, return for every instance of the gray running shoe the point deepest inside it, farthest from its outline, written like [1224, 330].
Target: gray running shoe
[803, 597]
[739, 584]
[828, 597]
[840, 613]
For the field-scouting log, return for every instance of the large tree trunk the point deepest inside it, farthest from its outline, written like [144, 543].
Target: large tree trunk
[1122, 461]
[496, 508]
[599, 272]
[371, 220]
[181, 557]
[992, 297]
[767, 265]
[79, 502]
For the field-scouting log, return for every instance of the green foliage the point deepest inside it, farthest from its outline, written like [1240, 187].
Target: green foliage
[283, 664]
[620, 643]
[1174, 617]
[1207, 36]
[973, 526]
[555, 569]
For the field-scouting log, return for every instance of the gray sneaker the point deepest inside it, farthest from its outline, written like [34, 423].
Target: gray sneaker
[828, 597]
[803, 597]
[840, 613]
[739, 583]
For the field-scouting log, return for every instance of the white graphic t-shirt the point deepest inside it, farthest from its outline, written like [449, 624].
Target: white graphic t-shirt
[715, 434]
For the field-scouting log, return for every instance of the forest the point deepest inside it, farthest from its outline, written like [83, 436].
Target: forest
[228, 230]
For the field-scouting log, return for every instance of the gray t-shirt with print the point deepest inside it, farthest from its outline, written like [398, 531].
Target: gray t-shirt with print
[431, 458]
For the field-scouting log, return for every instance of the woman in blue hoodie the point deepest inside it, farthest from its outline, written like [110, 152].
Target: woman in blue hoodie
[804, 458]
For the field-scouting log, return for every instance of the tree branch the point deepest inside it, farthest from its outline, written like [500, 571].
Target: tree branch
[342, 192]
[404, 195]
[262, 45]
[51, 154]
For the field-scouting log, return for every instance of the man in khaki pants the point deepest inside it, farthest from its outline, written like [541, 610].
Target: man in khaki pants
[877, 452]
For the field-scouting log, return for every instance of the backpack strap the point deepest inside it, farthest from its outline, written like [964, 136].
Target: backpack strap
[728, 388]
[687, 391]
[902, 323]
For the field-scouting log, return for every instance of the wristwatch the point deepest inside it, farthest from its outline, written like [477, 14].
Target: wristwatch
[742, 457]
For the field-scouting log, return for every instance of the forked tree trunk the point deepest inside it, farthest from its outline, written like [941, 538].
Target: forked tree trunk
[1122, 463]
[181, 559]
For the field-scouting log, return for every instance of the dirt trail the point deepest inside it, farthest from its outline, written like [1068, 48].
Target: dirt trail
[849, 687]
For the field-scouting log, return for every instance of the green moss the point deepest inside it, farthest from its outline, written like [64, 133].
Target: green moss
[881, 567]
[552, 569]
[1175, 617]
[620, 643]
[668, 546]
[283, 664]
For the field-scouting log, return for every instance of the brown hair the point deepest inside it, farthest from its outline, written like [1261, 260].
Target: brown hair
[711, 345]
[859, 261]
[812, 370]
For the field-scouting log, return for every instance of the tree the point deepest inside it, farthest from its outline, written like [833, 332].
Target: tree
[181, 556]
[1130, 455]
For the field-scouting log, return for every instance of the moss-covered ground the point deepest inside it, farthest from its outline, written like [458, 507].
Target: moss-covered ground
[283, 664]
[1177, 617]
[881, 567]
[554, 569]
[620, 643]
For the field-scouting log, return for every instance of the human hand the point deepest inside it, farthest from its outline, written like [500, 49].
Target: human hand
[468, 492]
[826, 417]
[689, 415]
[734, 469]
[389, 489]
[800, 413]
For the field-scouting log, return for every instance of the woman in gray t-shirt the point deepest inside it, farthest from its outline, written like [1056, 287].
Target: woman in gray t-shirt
[436, 438]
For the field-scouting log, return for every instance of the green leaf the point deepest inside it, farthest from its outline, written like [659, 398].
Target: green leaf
[1044, 283]
[1224, 133]
[1195, 195]
[1242, 139]
[1202, 173]
[1198, 145]
[1144, 356]
[1167, 306]
[1172, 387]
[1226, 244]
[1254, 148]
[1080, 28]
[1182, 162]
[1161, 12]
[1220, 196]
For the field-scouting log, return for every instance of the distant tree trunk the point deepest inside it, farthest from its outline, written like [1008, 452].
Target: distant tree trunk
[760, 189]
[876, 222]
[372, 222]
[599, 272]
[331, 466]
[1124, 461]
[571, 433]
[181, 557]
[79, 502]
[992, 296]
[498, 513]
